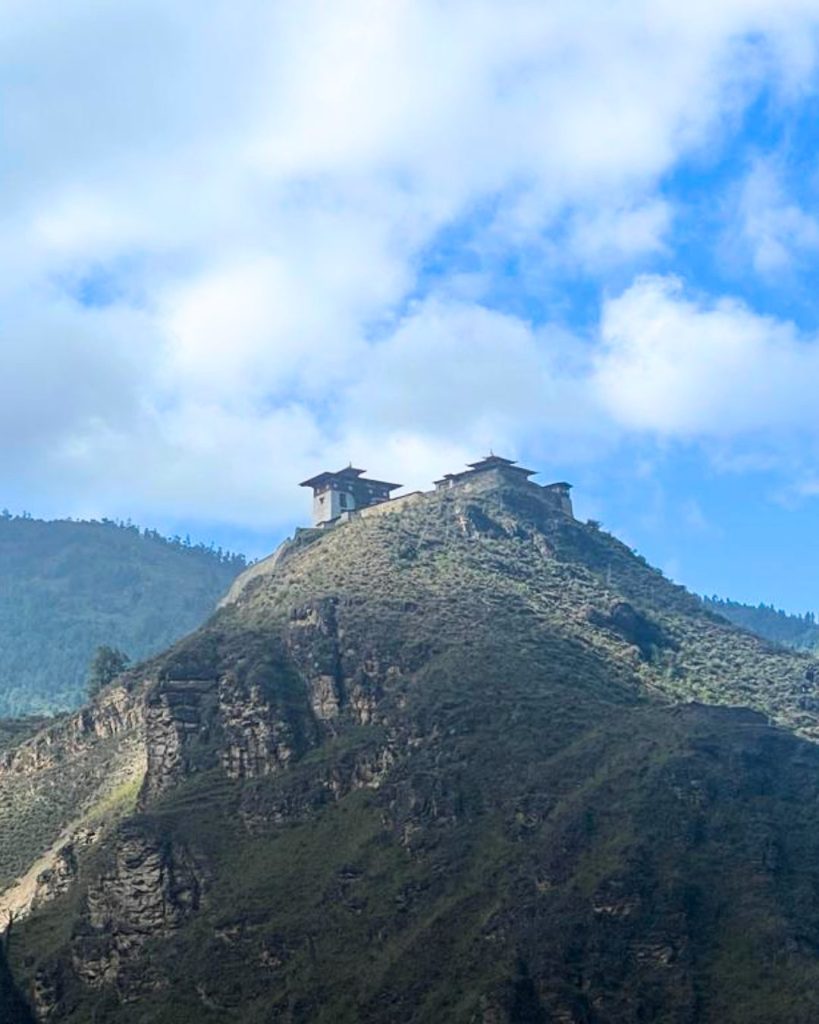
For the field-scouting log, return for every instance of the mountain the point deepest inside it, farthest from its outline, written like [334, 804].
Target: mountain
[798, 631]
[462, 759]
[67, 587]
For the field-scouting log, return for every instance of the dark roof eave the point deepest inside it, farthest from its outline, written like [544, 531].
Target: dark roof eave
[381, 483]
[345, 475]
[491, 460]
[510, 469]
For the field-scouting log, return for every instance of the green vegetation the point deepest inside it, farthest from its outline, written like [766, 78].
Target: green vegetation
[71, 790]
[798, 631]
[106, 665]
[15, 730]
[68, 587]
[513, 812]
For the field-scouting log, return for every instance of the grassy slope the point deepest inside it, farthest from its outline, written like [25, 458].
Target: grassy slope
[75, 792]
[555, 837]
[532, 582]
[67, 587]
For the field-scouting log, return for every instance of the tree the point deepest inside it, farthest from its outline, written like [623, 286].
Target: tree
[106, 665]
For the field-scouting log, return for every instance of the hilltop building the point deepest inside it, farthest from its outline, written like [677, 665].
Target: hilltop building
[335, 494]
[492, 462]
[495, 469]
[563, 499]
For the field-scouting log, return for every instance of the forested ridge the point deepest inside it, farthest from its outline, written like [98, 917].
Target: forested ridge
[67, 587]
[798, 631]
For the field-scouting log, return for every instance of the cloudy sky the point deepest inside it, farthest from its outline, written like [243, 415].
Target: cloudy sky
[246, 241]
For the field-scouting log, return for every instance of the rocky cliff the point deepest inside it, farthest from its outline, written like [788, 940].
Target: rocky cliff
[74, 773]
[462, 762]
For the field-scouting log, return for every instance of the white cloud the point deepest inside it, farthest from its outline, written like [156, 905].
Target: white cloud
[456, 371]
[774, 228]
[613, 234]
[258, 183]
[680, 367]
[64, 368]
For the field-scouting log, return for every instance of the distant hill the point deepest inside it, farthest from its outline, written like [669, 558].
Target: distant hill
[67, 587]
[798, 631]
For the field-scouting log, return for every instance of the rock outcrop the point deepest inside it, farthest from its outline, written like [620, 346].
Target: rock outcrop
[117, 712]
[77, 768]
[56, 880]
[147, 888]
[178, 714]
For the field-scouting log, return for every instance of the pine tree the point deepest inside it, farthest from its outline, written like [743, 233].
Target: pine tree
[106, 665]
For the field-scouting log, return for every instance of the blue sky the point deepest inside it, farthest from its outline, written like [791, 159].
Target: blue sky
[246, 241]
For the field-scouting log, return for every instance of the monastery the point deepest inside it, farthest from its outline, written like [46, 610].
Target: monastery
[339, 496]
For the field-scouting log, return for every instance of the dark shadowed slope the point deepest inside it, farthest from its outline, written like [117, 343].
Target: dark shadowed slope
[67, 587]
[13, 1009]
[440, 764]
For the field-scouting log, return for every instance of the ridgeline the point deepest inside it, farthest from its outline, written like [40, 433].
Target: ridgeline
[67, 587]
[800, 632]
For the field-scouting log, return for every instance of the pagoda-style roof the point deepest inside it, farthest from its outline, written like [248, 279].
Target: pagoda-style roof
[348, 475]
[491, 461]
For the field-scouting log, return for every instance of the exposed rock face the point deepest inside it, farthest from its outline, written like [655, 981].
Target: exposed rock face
[313, 644]
[256, 741]
[345, 677]
[51, 782]
[56, 880]
[147, 889]
[178, 713]
[118, 711]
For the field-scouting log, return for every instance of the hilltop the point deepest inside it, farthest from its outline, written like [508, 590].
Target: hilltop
[67, 587]
[460, 758]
